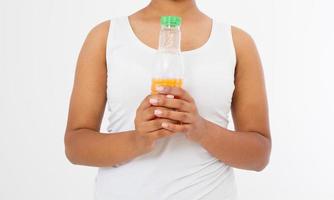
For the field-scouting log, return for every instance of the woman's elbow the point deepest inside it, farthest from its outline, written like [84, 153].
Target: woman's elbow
[261, 165]
[264, 157]
[69, 149]
[71, 156]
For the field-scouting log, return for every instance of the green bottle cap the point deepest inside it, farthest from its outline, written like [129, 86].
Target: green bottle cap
[170, 21]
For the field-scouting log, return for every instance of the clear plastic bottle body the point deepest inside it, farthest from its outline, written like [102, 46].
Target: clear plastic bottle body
[168, 69]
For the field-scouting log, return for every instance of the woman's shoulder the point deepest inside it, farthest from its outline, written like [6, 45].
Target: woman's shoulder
[96, 39]
[100, 30]
[240, 35]
[243, 41]
[93, 49]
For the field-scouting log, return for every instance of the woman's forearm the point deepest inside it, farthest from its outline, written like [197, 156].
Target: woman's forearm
[244, 150]
[91, 148]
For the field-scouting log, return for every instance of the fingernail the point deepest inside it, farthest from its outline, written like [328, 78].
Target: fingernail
[164, 125]
[169, 96]
[159, 88]
[153, 101]
[157, 112]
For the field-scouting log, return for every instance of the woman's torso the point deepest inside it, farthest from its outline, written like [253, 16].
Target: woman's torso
[177, 168]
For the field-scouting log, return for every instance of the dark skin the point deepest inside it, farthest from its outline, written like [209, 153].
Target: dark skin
[158, 116]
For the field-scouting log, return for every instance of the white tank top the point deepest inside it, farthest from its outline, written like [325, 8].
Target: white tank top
[177, 169]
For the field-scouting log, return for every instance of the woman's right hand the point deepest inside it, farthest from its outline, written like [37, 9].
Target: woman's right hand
[148, 127]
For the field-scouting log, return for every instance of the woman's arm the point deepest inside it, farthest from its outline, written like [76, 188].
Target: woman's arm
[84, 144]
[249, 146]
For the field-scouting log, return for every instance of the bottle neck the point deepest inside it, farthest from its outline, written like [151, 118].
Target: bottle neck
[170, 39]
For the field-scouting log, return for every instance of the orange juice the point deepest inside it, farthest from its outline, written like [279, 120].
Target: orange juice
[172, 82]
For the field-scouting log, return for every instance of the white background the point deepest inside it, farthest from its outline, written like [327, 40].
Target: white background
[39, 44]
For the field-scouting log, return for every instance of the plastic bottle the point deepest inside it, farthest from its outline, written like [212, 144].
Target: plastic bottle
[169, 67]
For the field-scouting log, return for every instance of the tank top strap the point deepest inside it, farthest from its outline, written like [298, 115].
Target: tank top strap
[118, 34]
[221, 40]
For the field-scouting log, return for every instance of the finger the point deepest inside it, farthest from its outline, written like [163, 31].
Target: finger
[175, 91]
[153, 99]
[174, 115]
[148, 114]
[178, 104]
[145, 103]
[154, 125]
[176, 127]
[160, 134]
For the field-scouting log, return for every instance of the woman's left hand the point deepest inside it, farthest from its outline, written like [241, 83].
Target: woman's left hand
[176, 104]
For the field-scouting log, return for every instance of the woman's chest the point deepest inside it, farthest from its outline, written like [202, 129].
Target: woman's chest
[208, 79]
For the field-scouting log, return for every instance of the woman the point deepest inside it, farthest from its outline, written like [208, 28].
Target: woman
[160, 147]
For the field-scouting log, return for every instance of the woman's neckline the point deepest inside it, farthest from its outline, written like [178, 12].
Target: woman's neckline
[191, 51]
